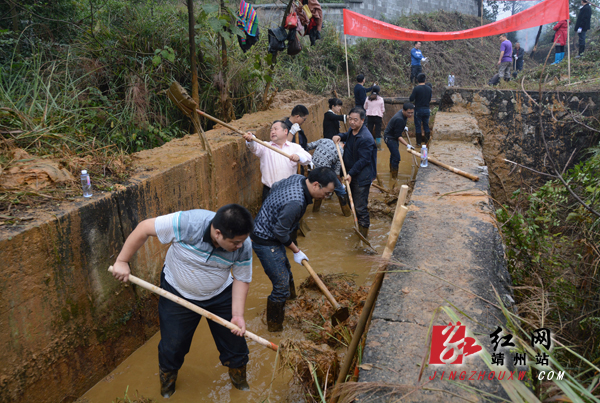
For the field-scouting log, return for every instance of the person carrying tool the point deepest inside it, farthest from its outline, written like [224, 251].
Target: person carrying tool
[360, 159]
[209, 264]
[274, 166]
[416, 57]
[421, 96]
[293, 123]
[393, 135]
[325, 155]
[279, 217]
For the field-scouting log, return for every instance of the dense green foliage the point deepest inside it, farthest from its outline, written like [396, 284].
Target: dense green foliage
[552, 247]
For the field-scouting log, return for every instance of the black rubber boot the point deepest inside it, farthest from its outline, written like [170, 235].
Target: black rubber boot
[167, 382]
[275, 315]
[293, 294]
[317, 205]
[394, 174]
[364, 231]
[238, 378]
[344, 204]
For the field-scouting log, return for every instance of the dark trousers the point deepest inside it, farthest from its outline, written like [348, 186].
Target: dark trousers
[582, 41]
[360, 196]
[277, 267]
[392, 145]
[178, 324]
[374, 126]
[265, 193]
[414, 72]
[559, 48]
[422, 117]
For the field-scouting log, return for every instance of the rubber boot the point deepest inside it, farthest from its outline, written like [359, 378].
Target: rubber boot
[556, 58]
[378, 142]
[167, 382]
[364, 231]
[317, 205]
[293, 294]
[238, 378]
[394, 174]
[562, 56]
[345, 205]
[275, 315]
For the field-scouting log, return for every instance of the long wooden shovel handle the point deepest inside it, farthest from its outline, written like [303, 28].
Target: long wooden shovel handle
[277, 150]
[337, 147]
[197, 309]
[321, 285]
[448, 167]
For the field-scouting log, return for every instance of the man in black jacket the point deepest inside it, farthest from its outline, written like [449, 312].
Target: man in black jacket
[421, 96]
[279, 217]
[293, 123]
[393, 135]
[360, 160]
[582, 25]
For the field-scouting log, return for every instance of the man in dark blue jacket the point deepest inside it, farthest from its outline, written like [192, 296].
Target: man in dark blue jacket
[582, 25]
[360, 160]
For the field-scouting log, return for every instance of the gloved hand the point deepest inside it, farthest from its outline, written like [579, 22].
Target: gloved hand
[311, 165]
[579, 30]
[299, 257]
[406, 129]
[295, 128]
[424, 59]
[409, 147]
[303, 158]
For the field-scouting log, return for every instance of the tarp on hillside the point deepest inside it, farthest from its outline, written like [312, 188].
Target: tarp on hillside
[546, 12]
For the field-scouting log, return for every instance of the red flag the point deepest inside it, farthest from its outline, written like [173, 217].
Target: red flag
[546, 12]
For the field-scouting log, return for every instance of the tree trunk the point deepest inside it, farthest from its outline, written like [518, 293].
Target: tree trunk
[192, 41]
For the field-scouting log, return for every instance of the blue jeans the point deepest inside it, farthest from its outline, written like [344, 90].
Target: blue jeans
[582, 41]
[339, 190]
[422, 117]
[392, 145]
[277, 267]
[360, 196]
[178, 324]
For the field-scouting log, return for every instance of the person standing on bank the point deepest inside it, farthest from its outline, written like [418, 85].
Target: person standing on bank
[360, 91]
[293, 123]
[274, 166]
[518, 53]
[375, 108]
[209, 264]
[360, 160]
[332, 118]
[279, 217]
[582, 25]
[505, 59]
[416, 57]
[326, 155]
[560, 38]
[393, 135]
[421, 96]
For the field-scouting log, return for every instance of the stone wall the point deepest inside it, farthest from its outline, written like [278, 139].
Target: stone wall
[511, 130]
[65, 322]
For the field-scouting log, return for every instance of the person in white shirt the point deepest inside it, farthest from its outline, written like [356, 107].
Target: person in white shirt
[209, 264]
[274, 166]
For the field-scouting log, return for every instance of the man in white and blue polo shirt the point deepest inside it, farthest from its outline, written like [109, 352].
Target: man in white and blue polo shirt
[209, 264]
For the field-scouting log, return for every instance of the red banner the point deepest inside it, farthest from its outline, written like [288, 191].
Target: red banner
[546, 12]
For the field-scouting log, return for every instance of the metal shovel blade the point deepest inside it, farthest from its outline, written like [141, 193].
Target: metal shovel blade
[340, 315]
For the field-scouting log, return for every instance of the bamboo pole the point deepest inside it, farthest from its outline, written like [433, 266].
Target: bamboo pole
[178, 300]
[457, 171]
[398, 221]
[347, 71]
[569, 49]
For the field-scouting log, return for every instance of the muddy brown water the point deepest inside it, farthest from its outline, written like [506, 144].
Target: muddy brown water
[331, 247]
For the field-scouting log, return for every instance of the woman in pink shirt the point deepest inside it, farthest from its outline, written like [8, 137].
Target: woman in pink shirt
[375, 109]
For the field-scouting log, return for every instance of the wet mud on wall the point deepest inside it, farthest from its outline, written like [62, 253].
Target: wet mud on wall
[510, 125]
[64, 321]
